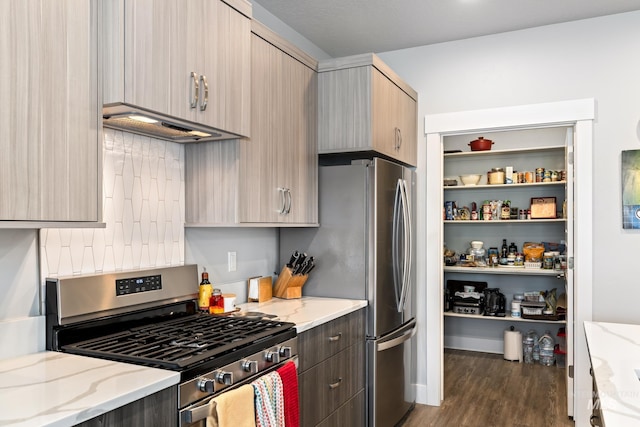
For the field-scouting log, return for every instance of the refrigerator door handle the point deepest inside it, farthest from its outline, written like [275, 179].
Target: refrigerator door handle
[398, 277]
[408, 244]
[394, 342]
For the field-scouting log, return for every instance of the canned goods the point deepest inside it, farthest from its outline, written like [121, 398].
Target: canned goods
[547, 261]
[539, 174]
[520, 178]
[546, 176]
[448, 209]
[562, 175]
[528, 177]
[554, 176]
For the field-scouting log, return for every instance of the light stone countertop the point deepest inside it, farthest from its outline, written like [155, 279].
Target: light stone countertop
[614, 349]
[59, 390]
[306, 312]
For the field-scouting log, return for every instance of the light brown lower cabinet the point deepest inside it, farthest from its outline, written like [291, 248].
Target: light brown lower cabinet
[332, 370]
[158, 410]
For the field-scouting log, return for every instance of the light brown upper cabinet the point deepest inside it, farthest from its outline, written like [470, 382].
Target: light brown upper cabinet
[184, 59]
[50, 136]
[364, 106]
[270, 179]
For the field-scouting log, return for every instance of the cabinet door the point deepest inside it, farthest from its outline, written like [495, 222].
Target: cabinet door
[298, 171]
[408, 129]
[224, 60]
[278, 166]
[384, 112]
[260, 199]
[394, 124]
[151, 30]
[49, 120]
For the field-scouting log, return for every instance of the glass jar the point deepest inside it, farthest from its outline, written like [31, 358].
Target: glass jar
[479, 253]
[496, 176]
[216, 303]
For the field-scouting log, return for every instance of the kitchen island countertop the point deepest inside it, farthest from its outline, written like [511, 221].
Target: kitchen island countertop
[306, 312]
[58, 389]
[614, 350]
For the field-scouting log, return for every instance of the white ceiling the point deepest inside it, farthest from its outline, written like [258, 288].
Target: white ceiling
[349, 27]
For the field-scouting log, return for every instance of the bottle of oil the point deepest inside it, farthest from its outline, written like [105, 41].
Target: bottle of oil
[505, 249]
[204, 292]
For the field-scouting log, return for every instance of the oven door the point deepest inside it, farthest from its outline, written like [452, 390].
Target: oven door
[196, 415]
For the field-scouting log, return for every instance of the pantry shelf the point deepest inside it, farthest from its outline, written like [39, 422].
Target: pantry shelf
[504, 186]
[504, 270]
[502, 221]
[497, 153]
[507, 318]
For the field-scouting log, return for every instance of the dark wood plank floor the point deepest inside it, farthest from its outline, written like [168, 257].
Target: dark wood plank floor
[485, 390]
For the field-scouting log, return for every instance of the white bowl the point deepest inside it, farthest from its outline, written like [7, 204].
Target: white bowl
[472, 179]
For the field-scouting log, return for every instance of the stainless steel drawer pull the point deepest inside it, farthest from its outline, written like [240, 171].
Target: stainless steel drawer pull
[336, 337]
[336, 384]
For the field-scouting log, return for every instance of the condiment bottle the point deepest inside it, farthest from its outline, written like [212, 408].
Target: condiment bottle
[204, 292]
[216, 303]
[504, 249]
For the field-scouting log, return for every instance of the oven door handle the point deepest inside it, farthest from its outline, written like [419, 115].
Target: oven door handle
[196, 414]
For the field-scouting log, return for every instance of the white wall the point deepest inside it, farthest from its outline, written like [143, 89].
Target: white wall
[596, 58]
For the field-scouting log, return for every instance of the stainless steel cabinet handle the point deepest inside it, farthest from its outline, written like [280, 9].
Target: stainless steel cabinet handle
[398, 138]
[283, 200]
[288, 209]
[336, 384]
[205, 86]
[335, 337]
[195, 89]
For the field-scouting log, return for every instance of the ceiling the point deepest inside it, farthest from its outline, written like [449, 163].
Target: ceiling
[349, 27]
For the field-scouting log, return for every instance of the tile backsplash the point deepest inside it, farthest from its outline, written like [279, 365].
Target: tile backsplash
[143, 209]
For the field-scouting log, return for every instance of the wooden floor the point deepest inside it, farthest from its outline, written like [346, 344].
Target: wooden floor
[484, 390]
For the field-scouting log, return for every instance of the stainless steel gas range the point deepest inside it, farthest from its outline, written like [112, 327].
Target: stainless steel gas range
[150, 318]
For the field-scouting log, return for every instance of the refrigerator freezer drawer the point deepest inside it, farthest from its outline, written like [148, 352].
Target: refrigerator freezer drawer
[391, 373]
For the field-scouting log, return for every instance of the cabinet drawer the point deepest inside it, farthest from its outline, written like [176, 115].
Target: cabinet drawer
[349, 414]
[330, 338]
[328, 385]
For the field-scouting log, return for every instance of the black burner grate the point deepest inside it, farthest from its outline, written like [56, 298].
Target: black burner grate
[181, 343]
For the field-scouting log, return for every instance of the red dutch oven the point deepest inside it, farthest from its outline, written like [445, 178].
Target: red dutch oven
[481, 144]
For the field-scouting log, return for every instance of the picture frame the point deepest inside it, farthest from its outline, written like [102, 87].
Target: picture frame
[543, 207]
[630, 171]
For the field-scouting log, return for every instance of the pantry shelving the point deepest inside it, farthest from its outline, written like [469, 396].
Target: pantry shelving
[507, 318]
[524, 151]
[503, 270]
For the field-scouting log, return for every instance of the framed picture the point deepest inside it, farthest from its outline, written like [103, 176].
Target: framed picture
[543, 207]
[631, 189]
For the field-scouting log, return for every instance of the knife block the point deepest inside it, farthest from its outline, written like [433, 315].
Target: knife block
[289, 286]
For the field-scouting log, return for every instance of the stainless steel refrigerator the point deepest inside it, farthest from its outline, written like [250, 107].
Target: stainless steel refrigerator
[364, 249]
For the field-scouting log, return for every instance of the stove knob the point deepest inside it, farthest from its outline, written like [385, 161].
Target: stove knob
[225, 378]
[285, 351]
[272, 356]
[205, 384]
[250, 366]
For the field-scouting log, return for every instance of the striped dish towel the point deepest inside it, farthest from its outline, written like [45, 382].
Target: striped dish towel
[269, 400]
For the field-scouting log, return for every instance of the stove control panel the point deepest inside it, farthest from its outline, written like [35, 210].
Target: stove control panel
[135, 285]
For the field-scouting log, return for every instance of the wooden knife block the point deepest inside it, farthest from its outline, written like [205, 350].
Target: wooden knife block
[289, 286]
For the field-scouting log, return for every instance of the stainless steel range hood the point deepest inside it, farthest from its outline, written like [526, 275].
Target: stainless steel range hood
[150, 123]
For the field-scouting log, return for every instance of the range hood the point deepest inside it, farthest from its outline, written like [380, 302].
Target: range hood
[138, 120]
